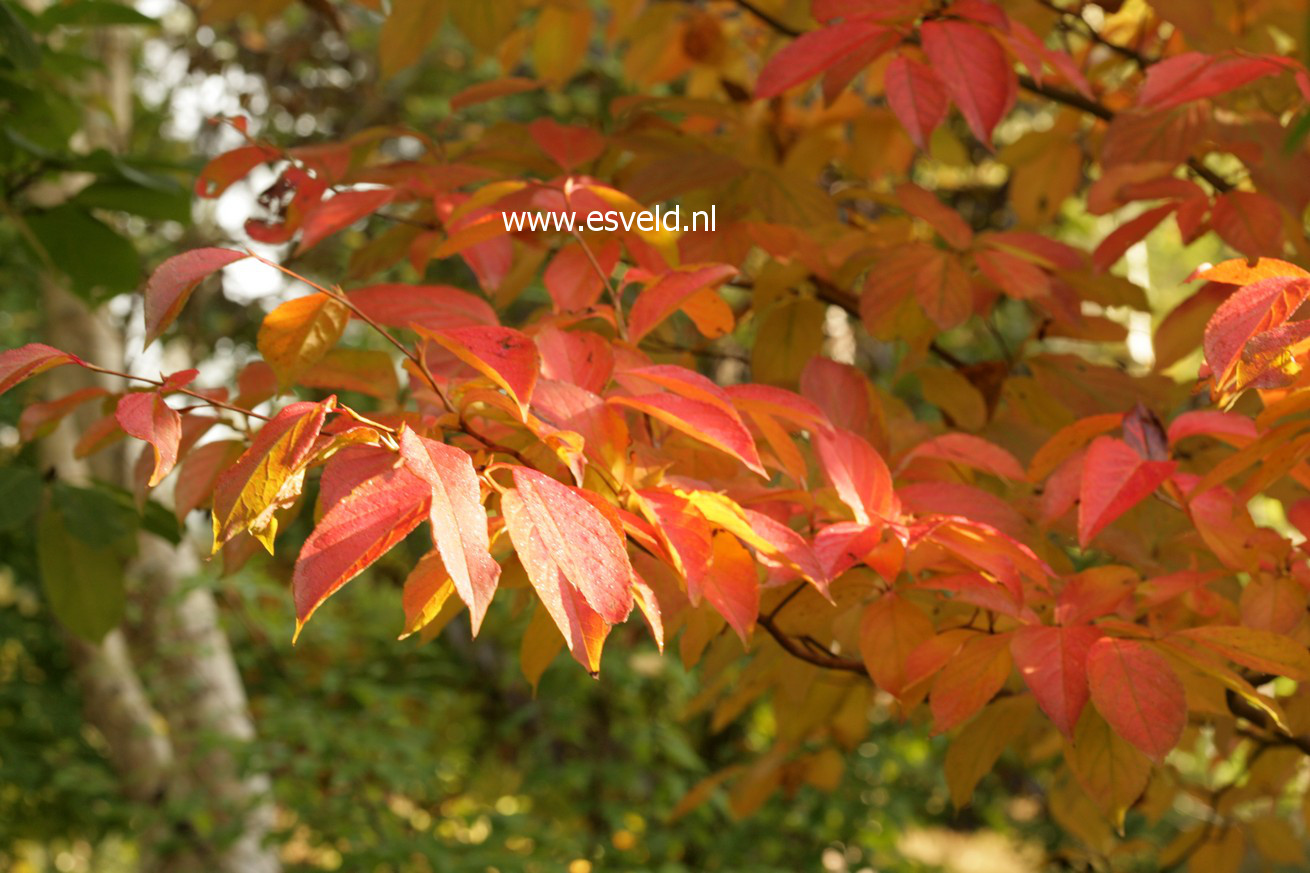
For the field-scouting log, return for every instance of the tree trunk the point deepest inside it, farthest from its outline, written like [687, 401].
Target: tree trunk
[163, 691]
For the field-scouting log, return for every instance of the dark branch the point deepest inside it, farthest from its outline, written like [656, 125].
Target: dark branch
[818, 659]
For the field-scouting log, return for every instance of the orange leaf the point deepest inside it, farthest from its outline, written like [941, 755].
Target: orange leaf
[666, 294]
[504, 355]
[731, 585]
[859, 474]
[969, 680]
[890, 629]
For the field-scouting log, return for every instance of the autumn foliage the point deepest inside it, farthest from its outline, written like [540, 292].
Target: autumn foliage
[1006, 527]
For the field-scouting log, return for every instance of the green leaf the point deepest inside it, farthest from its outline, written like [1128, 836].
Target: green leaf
[154, 518]
[93, 13]
[19, 47]
[98, 260]
[167, 205]
[83, 583]
[98, 518]
[20, 492]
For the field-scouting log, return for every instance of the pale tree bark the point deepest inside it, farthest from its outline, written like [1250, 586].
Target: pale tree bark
[164, 692]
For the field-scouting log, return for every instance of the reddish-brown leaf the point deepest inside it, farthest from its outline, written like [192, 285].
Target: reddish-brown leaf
[145, 415]
[1238, 272]
[24, 362]
[363, 526]
[917, 97]
[942, 288]
[1249, 222]
[40, 419]
[459, 523]
[340, 212]
[219, 174]
[1193, 76]
[1138, 693]
[975, 69]
[172, 282]
[436, 307]
[1124, 237]
[970, 451]
[923, 204]
[812, 53]
[686, 534]
[198, 473]
[1053, 663]
[1115, 479]
[569, 145]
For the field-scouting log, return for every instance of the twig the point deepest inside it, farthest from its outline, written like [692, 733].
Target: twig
[797, 650]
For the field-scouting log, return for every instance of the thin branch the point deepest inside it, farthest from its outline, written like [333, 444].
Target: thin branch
[778, 25]
[797, 650]
[609, 285]
[208, 401]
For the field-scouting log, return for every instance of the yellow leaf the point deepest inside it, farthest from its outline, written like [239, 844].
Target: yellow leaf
[974, 751]
[789, 335]
[427, 588]
[1109, 768]
[541, 643]
[407, 31]
[1221, 852]
[955, 396]
[559, 46]
[299, 333]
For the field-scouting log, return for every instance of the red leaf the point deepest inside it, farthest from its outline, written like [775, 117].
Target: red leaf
[459, 523]
[340, 212]
[923, 204]
[702, 420]
[436, 307]
[1124, 237]
[971, 451]
[1115, 479]
[24, 362]
[504, 355]
[574, 559]
[917, 97]
[228, 167]
[859, 474]
[662, 297]
[791, 547]
[969, 679]
[362, 527]
[812, 53]
[583, 544]
[1053, 663]
[199, 472]
[573, 282]
[975, 69]
[731, 585]
[840, 390]
[581, 358]
[568, 145]
[1252, 310]
[1138, 693]
[687, 535]
[1193, 75]
[943, 290]
[145, 415]
[172, 282]
[484, 91]
[1020, 278]
[40, 419]
[1249, 222]
[1212, 422]
[268, 474]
